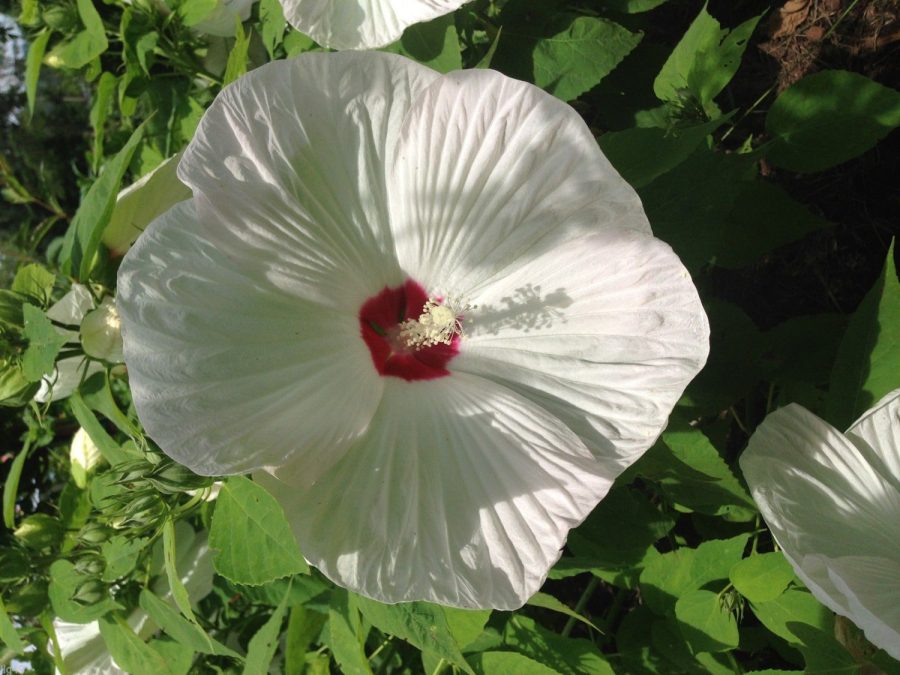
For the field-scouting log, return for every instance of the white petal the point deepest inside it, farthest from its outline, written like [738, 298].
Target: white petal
[871, 587]
[223, 19]
[83, 649]
[142, 202]
[462, 493]
[361, 24]
[72, 307]
[66, 377]
[811, 482]
[877, 433]
[825, 503]
[288, 172]
[228, 372]
[604, 331]
[486, 166]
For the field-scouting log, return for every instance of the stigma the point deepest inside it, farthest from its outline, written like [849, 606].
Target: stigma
[438, 323]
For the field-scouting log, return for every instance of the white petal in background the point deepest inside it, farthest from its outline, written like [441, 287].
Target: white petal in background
[223, 19]
[69, 372]
[485, 167]
[288, 171]
[229, 373]
[361, 24]
[833, 504]
[140, 203]
[461, 493]
[604, 331]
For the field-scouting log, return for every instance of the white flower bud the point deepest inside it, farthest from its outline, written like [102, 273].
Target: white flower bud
[101, 334]
[84, 455]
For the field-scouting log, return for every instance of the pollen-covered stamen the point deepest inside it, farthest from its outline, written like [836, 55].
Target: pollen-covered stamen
[439, 321]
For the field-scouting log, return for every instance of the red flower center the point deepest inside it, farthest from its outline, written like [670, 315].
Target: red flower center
[380, 319]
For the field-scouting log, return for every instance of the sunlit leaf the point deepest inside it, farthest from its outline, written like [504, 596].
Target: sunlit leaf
[253, 542]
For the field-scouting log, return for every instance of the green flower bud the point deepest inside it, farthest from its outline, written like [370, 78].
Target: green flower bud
[90, 592]
[13, 565]
[28, 600]
[94, 533]
[39, 531]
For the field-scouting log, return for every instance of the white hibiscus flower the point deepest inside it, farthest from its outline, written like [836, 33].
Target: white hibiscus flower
[361, 24]
[832, 501]
[426, 305]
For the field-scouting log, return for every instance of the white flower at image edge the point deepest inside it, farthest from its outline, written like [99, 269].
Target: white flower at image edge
[361, 24]
[98, 334]
[426, 311]
[832, 502]
[82, 646]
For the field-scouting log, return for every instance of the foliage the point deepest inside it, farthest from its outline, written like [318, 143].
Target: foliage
[673, 572]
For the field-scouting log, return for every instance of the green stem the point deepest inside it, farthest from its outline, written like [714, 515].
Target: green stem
[580, 605]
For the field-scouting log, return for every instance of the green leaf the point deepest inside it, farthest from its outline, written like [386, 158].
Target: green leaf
[546, 601]
[30, 14]
[8, 632]
[193, 12]
[616, 540]
[238, 56]
[183, 631]
[120, 553]
[421, 624]
[705, 624]
[35, 282]
[65, 582]
[304, 626]
[33, 61]
[253, 541]
[642, 154]
[11, 309]
[130, 652]
[632, 6]
[44, 343]
[434, 44]
[677, 572]
[345, 638]
[82, 239]
[97, 394]
[569, 54]
[179, 592]
[693, 474]
[822, 653]
[868, 358]
[263, 644]
[762, 577]
[106, 87]
[303, 589]
[272, 25]
[507, 663]
[179, 657]
[40, 531]
[11, 486]
[790, 609]
[465, 625]
[87, 45]
[690, 204]
[112, 452]
[566, 656]
[704, 61]
[829, 117]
